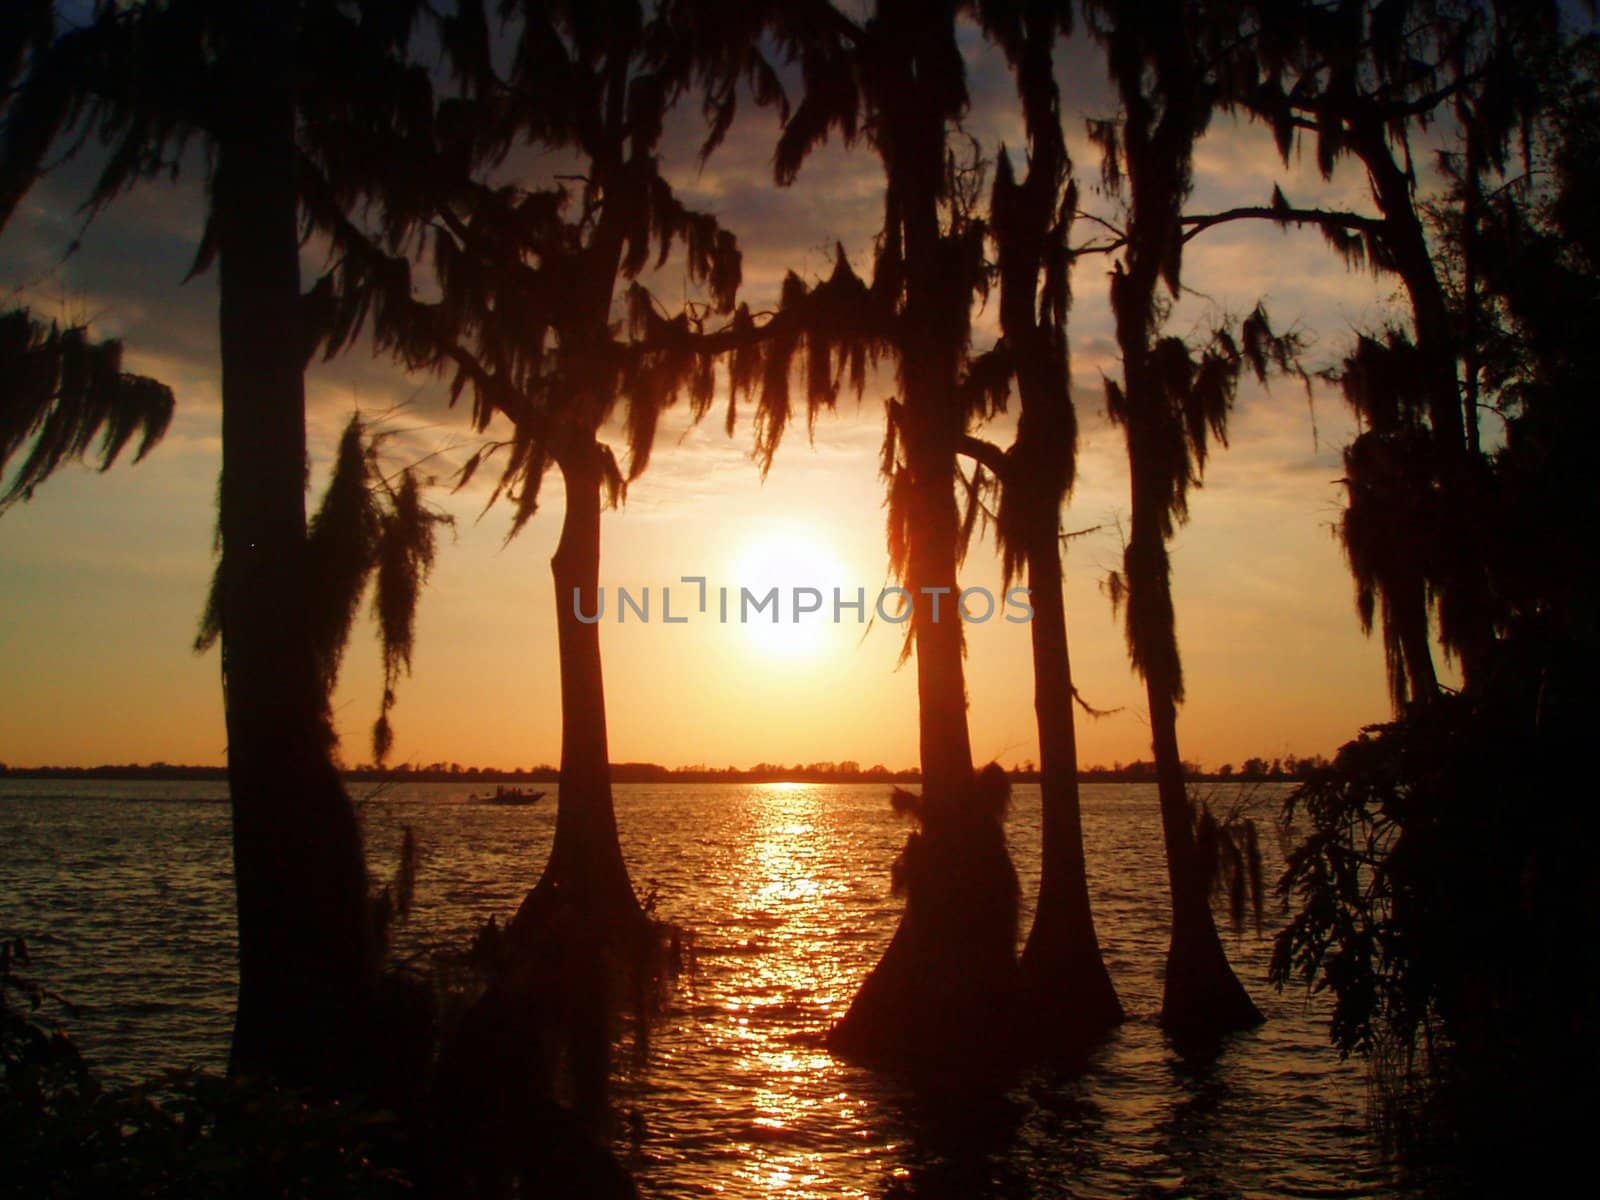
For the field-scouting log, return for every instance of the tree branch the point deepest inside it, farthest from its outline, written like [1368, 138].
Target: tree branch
[986, 454]
[1326, 218]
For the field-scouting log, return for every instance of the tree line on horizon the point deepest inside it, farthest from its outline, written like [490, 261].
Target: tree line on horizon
[1252, 770]
[382, 131]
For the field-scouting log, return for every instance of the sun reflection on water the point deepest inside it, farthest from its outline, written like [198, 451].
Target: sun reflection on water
[785, 892]
[791, 892]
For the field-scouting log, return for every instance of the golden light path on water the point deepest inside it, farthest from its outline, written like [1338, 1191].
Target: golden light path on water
[781, 866]
[125, 891]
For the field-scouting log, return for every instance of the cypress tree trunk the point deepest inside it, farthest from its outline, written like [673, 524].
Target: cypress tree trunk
[942, 1002]
[1062, 968]
[1166, 105]
[305, 939]
[555, 988]
[946, 747]
[1416, 644]
[1201, 996]
[586, 868]
[1070, 994]
[932, 340]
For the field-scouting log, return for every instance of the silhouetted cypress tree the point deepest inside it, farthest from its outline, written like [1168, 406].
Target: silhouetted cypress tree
[299, 108]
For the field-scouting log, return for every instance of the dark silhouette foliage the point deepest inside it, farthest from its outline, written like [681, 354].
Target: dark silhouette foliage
[1442, 899]
[1443, 893]
[67, 1132]
[60, 392]
[371, 528]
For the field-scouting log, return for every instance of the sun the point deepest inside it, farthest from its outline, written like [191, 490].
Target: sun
[791, 560]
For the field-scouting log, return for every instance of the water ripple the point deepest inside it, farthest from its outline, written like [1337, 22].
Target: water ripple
[125, 895]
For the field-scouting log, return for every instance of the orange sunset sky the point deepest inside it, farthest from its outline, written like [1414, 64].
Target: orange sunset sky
[102, 578]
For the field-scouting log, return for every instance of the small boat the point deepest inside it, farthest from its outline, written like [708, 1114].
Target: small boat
[505, 795]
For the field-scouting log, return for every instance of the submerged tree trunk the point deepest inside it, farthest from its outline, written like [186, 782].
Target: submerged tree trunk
[1062, 967]
[1165, 109]
[1201, 996]
[1070, 995]
[943, 1000]
[306, 946]
[580, 932]
[586, 869]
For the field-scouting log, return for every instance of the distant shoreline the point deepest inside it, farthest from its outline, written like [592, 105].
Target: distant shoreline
[1255, 771]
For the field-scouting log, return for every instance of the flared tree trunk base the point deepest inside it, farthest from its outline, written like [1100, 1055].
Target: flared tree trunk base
[943, 1004]
[608, 911]
[937, 1017]
[582, 938]
[1070, 1000]
[584, 895]
[1202, 999]
[579, 953]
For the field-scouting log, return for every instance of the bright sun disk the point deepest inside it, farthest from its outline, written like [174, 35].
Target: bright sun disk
[789, 560]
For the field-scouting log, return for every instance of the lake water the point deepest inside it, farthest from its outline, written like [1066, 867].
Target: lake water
[124, 892]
